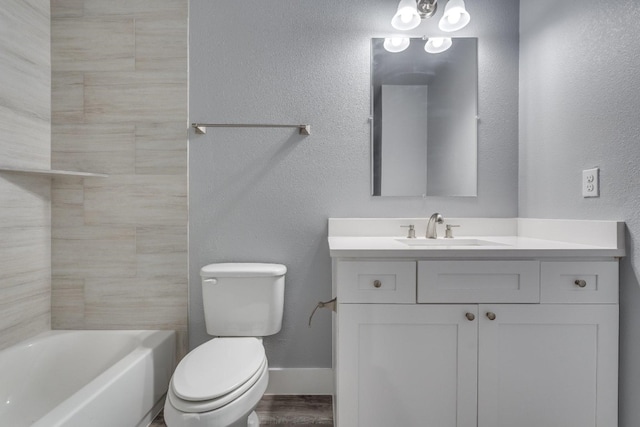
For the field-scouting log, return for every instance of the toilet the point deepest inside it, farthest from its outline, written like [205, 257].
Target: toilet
[219, 383]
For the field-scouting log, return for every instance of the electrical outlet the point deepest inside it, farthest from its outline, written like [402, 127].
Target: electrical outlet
[591, 182]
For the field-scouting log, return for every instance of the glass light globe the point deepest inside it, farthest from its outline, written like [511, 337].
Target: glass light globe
[438, 44]
[396, 44]
[455, 16]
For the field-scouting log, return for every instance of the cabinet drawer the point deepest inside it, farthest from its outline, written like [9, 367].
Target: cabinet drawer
[579, 282]
[376, 282]
[479, 281]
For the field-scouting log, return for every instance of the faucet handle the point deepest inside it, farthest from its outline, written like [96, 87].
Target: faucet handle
[411, 232]
[448, 232]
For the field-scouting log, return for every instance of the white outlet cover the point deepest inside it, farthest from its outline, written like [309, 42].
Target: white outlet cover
[591, 182]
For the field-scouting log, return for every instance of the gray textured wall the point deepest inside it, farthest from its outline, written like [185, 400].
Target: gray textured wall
[579, 108]
[265, 195]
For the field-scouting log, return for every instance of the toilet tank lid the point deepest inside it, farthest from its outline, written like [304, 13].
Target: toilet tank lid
[243, 269]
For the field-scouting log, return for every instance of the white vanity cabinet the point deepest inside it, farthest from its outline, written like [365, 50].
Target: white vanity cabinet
[476, 343]
[548, 365]
[406, 365]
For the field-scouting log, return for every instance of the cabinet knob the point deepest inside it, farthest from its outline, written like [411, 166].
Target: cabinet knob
[470, 317]
[491, 316]
[581, 283]
[377, 283]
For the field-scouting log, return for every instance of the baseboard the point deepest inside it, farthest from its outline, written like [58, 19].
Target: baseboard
[300, 381]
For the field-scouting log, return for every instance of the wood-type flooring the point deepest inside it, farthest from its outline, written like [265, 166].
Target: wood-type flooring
[287, 411]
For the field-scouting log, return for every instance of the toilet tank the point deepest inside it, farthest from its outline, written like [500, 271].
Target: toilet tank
[243, 299]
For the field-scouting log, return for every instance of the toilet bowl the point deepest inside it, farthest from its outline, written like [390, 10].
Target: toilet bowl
[219, 383]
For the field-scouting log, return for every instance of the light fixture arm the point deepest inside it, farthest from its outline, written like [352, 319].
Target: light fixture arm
[426, 8]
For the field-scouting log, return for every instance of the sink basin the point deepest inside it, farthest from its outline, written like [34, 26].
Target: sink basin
[421, 241]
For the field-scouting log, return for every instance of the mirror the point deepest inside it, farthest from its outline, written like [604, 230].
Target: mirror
[424, 110]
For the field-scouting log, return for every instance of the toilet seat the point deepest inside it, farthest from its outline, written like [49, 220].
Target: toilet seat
[228, 415]
[216, 373]
[210, 405]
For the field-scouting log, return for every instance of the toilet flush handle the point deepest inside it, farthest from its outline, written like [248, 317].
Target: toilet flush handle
[332, 304]
[210, 281]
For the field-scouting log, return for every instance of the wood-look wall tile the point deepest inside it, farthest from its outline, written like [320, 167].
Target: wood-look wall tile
[182, 342]
[67, 303]
[117, 241]
[165, 265]
[93, 44]
[136, 200]
[67, 97]
[161, 149]
[132, 97]
[24, 305]
[25, 201]
[34, 278]
[137, 8]
[26, 33]
[25, 285]
[30, 89]
[25, 139]
[38, 322]
[25, 134]
[93, 252]
[67, 202]
[67, 190]
[135, 303]
[23, 250]
[169, 55]
[161, 240]
[67, 215]
[26, 73]
[104, 148]
[165, 162]
[67, 8]
[22, 311]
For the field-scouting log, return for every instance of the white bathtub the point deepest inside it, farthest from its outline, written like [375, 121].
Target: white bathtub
[86, 378]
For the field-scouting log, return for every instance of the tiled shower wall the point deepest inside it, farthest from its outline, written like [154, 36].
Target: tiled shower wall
[119, 106]
[25, 111]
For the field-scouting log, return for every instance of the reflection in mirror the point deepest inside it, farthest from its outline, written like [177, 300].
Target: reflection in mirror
[425, 107]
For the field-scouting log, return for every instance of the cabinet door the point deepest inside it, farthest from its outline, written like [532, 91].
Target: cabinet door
[407, 365]
[548, 365]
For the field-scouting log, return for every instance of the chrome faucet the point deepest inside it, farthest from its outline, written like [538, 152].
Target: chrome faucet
[432, 233]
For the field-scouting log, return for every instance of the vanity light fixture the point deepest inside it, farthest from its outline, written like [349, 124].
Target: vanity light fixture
[396, 44]
[455, 16]
[411, 12]
[437, 44]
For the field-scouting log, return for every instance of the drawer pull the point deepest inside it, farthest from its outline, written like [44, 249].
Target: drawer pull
[491, 316]
[377, 283]
[581, 283]
[470, 317]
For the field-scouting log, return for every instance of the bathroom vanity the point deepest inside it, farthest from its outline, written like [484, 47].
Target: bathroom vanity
[514, 324]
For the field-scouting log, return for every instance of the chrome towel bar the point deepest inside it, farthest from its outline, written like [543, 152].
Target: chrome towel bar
[201, 128]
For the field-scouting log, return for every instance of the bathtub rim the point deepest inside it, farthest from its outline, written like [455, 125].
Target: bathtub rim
[148, 340]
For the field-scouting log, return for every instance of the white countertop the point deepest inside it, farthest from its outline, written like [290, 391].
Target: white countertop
[514, 238]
